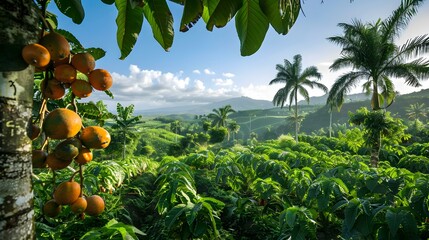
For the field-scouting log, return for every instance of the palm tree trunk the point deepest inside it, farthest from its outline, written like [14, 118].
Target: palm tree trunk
[296, 116]
[375, 101]
[18, 27]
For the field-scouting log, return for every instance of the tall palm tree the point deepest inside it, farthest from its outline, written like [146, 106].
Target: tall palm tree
[295, 80]
[369, 49]
[125, 122]
[220, 116]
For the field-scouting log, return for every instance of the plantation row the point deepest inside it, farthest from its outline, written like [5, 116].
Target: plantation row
[319, 188]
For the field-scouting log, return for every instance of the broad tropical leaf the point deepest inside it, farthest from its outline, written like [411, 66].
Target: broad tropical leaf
[281, 14]
[129, 22]
[224, 12]
[160, 19]
[191, 14]
[252, 26]
[72, 9]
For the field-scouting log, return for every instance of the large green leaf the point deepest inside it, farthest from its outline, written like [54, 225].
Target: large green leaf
[251, 25]
[281, 14]
[209, 7]
[174, 214]
[72, 9]
[224, 12]
[129, 22]
[191, 14]
[393, 219]
[160, 19]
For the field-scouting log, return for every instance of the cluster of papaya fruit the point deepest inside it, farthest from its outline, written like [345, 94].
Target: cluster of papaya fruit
[73, 141]
[64, 69]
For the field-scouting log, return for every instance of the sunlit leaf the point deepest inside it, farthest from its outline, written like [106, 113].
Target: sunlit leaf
[208, 8]
[160, 19]
[129, 22]
[281, 14]
[251, 25]
[224, 12]
[191, 14]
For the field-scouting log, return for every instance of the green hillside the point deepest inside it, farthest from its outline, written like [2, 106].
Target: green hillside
[320, 118]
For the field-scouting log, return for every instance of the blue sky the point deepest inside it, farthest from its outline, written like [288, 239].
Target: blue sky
[203, 66]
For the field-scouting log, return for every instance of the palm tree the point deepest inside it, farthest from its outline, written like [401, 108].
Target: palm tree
[220, 116]
[125, 122]
[233, 127]
[295, 80]
[416, 111]
[335, 103]
[369, 49]
[176, 127]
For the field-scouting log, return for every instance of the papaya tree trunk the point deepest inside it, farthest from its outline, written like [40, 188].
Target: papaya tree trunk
[375, 151]
[330, 124]
[18, 27]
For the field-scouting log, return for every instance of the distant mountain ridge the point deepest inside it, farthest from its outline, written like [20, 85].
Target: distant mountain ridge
[238, 104]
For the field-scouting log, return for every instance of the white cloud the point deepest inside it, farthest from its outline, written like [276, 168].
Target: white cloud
[196, 71]
[148, 89]
[228, 75]
[209, 72]
[223, 82]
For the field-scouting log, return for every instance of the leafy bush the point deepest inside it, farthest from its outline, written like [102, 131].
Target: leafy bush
[415, 163]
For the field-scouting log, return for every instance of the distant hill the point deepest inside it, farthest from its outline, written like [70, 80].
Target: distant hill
[238, 104]
[321, 100]
[320, 118]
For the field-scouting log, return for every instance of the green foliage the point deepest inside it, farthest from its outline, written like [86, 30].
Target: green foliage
[114, 230]
[415, 163]
[217, 134]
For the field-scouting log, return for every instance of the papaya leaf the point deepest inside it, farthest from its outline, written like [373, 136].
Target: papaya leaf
[192, 12]
[281, 14]
[129, 22]
[160, 19]
[224, 12]
[72, 9]
[251, 25]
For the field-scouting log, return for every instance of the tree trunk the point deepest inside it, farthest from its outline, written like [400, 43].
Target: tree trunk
[296, 116]
[125, 146]
[375, 151]
[330, 124]
[18, 27]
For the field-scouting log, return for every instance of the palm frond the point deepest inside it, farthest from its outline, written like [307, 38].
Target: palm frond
[344, 84]
[414, 47]
[400, 18]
